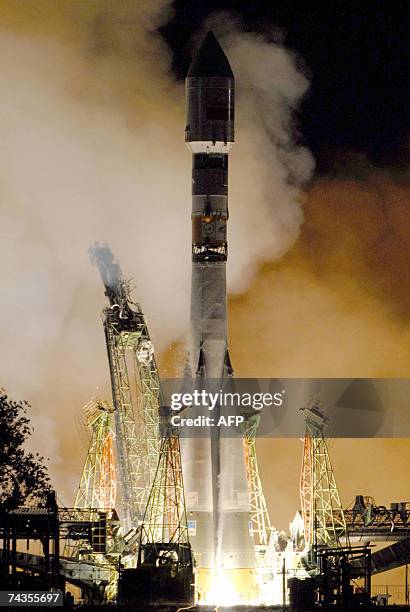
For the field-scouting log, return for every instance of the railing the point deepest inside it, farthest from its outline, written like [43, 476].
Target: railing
[380, 522]
[396, 593]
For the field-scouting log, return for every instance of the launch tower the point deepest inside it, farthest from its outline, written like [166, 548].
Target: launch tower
[135, 390]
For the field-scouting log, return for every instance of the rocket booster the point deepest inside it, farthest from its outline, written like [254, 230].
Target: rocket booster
[214, 467]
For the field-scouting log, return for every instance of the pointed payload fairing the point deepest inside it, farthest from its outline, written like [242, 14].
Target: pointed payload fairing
[214, 467]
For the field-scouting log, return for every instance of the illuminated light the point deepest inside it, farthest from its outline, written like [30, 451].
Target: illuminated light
[251, 587]
[231, 588]
[145, 352]
[222, 592]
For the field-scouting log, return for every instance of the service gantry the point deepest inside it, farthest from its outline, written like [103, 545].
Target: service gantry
[135, 390]
[98, 483]
[95, 498]
[165, 566]
[323, 516]
[260, 526]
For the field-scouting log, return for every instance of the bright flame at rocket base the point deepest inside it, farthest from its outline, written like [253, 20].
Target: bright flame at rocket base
[227, 587]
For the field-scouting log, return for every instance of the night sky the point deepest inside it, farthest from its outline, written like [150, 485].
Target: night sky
[356, 56]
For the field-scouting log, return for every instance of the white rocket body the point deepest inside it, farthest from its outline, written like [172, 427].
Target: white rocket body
[215, 478]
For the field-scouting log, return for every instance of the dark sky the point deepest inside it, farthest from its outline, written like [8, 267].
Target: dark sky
[356, 54]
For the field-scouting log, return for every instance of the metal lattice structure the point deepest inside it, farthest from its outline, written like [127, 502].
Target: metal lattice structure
[165, 519]
[97, 491]
[135, 390]
[261, 526]
[165, 564]
[323, 516]
[98, 485]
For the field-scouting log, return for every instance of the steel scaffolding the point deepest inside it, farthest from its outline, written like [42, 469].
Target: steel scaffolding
[165, 519]
[323, 516]
[135, 390]
[98, 485]
[261, 526]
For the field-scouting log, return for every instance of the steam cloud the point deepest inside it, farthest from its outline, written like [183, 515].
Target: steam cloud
[92, 149]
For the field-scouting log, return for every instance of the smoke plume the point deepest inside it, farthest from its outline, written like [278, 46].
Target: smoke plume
[92, 128]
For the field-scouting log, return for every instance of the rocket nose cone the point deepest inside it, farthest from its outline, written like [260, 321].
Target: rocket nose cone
[210, 60]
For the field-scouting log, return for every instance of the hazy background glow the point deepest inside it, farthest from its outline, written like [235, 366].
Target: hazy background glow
[92, 149]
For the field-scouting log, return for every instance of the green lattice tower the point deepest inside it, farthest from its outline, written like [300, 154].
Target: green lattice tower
[165, 519]
[323, 516]
[164, 535]
[261, 525]
[97, 488]
[136, 391]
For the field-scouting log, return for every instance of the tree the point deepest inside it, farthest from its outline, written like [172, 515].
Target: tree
[23, 475]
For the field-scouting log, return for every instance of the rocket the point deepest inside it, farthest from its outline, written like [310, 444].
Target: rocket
[209, 134]
[215, 479]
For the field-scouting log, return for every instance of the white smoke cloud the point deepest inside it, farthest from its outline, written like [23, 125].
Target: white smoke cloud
[92, 149]
[268, 167]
